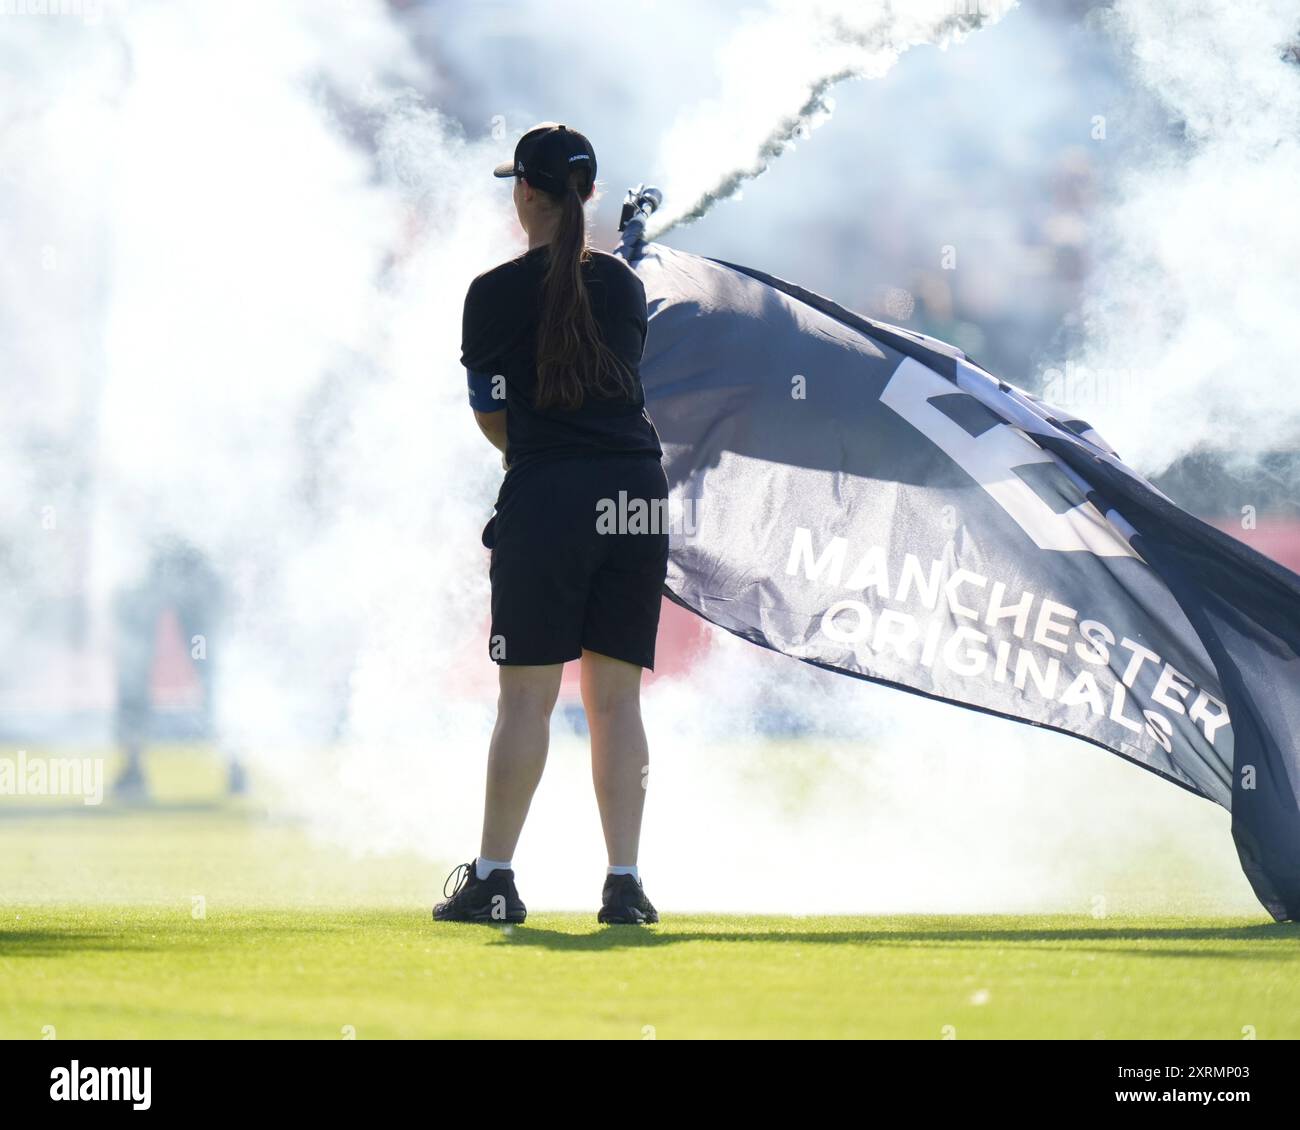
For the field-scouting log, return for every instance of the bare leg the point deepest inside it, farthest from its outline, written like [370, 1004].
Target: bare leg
[517, 754]
[611, 694]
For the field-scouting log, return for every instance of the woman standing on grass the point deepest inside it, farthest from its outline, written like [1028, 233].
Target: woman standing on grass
[552, 342]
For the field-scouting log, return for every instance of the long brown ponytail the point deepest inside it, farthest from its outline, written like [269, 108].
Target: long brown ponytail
[573, 361]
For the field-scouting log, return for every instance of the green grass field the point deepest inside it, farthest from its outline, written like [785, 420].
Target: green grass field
[100, 937]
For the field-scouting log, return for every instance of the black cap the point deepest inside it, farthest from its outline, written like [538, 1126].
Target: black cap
[546, 154]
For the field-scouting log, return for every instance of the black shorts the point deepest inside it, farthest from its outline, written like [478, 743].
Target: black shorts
[571, 566]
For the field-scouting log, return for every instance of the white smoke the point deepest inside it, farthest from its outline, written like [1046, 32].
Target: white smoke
[1194, 299]
[776, 73]
[262, 359]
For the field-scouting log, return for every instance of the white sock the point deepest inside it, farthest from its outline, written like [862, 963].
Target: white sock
[484, 867]
[624, 871]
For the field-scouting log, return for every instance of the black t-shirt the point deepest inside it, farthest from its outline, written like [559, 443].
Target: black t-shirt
[500, 337]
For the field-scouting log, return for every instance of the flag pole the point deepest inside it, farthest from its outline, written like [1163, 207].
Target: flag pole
[638, 206]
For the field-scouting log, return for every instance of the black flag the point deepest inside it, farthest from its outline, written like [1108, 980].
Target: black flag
[869, 500]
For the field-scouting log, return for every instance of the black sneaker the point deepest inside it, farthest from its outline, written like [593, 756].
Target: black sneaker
[623, 902]
[493, 899]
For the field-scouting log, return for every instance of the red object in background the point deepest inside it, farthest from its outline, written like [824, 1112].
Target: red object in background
[173, 682]
[1278, 538]
[683, 638]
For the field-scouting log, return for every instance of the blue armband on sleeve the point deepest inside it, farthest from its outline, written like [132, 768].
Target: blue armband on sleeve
[481, 388]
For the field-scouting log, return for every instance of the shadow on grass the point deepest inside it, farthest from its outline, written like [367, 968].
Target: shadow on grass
[182, 935]
[112, 810]
[63, 943]
[1099, 939]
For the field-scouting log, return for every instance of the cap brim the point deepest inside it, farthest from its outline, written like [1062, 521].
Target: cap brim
[505, 169]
